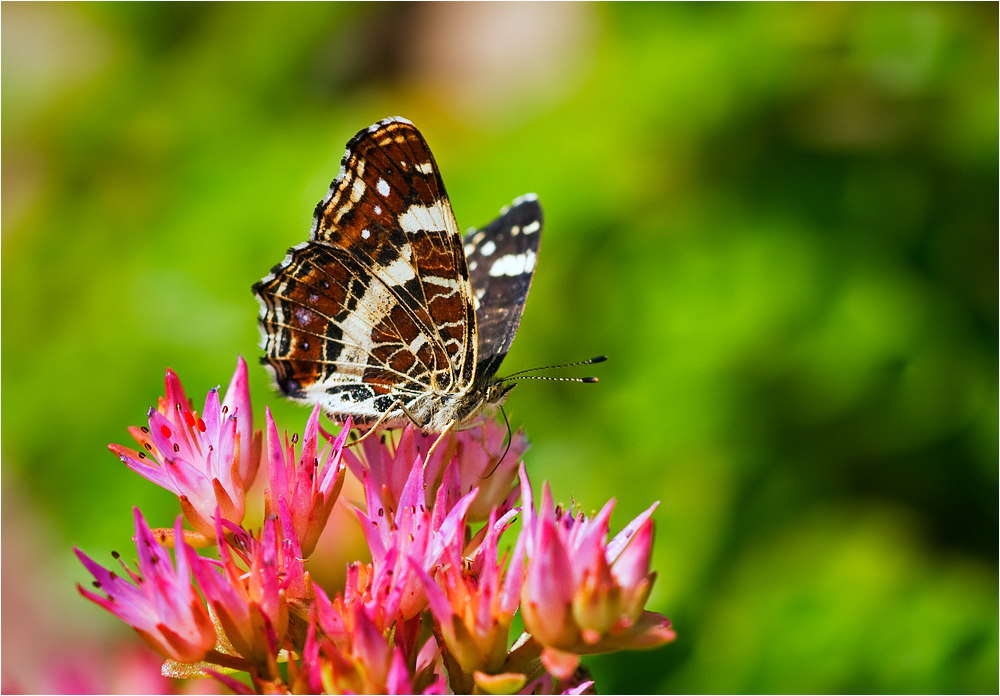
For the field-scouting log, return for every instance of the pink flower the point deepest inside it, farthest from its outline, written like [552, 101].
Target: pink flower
[252, 605]
[434, 607]
[207, 461]
[582, 594]
[160, 603]
[473, 605]
[308, 491]
[346, 652]
[478, 452]
[412, 535]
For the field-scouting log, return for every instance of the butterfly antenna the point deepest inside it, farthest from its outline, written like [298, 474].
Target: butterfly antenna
[592, 361]
[510, 438]
[585, 380]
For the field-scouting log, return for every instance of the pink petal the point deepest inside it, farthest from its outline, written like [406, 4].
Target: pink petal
[398, 681]
[277, 468]
[212, 417]
[436, 597]
[333, 459]
[528, 508]
[617, 545]
[560, 664]
[237, 400]
[632, 565]
[548, 587]
[412, 498]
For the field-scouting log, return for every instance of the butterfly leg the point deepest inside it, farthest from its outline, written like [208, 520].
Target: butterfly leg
[381, 419]
[406, 412]
[444, 432]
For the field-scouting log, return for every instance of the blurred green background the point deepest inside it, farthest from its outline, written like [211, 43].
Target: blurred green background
[778, 220]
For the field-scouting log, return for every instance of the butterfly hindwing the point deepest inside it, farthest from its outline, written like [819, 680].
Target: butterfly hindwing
[501, 258]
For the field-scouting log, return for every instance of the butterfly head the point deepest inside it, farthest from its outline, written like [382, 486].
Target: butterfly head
[497, 391]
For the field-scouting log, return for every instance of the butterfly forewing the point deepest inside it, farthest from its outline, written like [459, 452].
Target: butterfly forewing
[378, 305]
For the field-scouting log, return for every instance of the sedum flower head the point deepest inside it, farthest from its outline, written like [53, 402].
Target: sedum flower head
[159, 601]
[433, 608]
[347, 653]
[482, 461]
[409, 536]
[581, 593]
[473, 603]
[206, 460]
[252, 586]
[308, 490]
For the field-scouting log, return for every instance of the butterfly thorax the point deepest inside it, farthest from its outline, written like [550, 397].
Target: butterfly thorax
[466, 409]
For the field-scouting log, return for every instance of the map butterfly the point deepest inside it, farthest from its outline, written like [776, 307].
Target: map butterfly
[387, 312]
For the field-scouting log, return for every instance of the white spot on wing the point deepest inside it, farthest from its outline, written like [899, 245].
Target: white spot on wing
[532, 228]
[400, 270]
[365, 234]
[443, 282]
[488, 248]
[513, 264]
[425, 168]
[420, 217]
[417, 343]
[383, 187]
[357, 190]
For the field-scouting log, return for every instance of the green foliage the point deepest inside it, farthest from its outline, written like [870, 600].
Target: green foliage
[778, 220]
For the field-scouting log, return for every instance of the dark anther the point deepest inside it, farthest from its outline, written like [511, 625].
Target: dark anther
[115, 555]
[177, 448]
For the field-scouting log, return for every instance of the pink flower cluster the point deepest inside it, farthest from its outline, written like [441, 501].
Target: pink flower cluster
[433, 610]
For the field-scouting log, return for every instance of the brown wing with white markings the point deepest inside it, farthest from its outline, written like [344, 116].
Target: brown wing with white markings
[377, 305]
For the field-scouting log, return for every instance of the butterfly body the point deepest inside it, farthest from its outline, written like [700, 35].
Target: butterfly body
[386, 312]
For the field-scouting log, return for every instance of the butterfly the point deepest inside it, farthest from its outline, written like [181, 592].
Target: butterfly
[387, 313]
